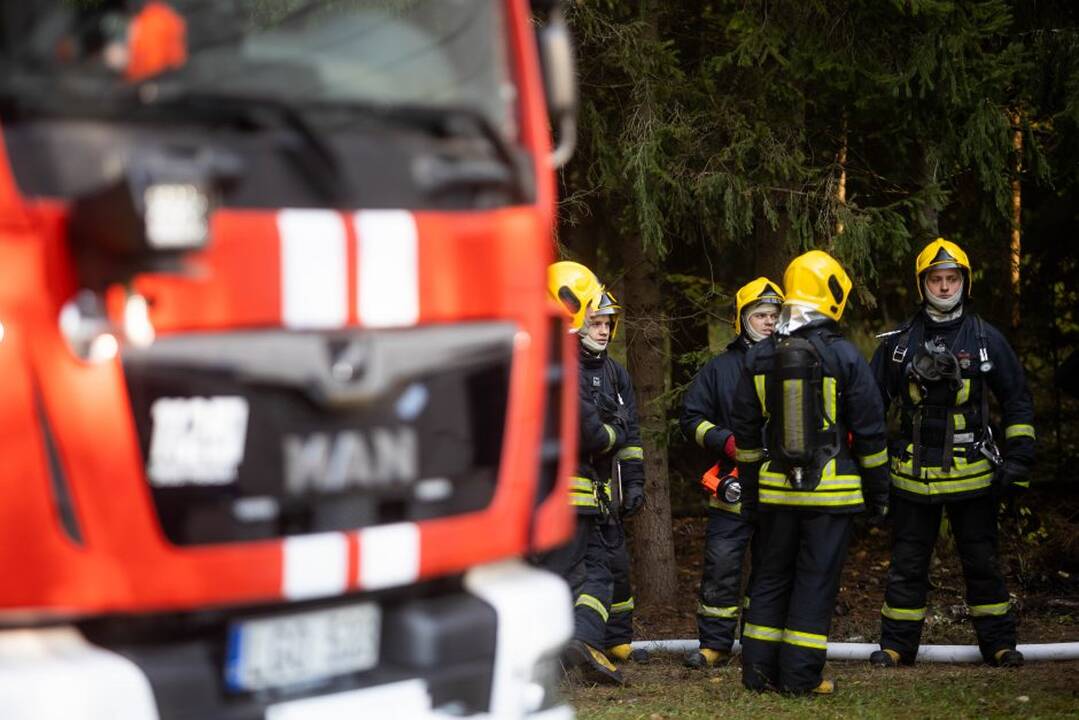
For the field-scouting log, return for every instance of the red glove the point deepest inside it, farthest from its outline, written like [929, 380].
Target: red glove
[729, 448]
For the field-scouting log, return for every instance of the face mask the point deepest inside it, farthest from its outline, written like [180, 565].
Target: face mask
[593, 346]
[942, 309]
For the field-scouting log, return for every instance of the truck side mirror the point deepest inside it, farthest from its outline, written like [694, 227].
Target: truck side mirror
[560, 82]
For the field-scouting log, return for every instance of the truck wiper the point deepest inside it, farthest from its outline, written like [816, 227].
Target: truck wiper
[316, 158]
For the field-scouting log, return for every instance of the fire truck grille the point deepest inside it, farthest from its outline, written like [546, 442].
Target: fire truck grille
[257, 435]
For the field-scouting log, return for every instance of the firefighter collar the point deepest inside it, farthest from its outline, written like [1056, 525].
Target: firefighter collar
[796, 316]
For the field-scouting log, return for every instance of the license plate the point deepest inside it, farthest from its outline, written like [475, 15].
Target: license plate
[302, 647]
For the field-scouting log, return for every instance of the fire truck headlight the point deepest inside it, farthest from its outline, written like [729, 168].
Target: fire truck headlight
[177, 216]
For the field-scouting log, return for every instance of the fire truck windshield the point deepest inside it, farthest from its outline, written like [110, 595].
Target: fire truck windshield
[391, 53]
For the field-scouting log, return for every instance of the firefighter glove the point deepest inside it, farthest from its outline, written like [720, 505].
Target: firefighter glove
[1011, 477]
[729, 448]
[878, 510]
[633, 500]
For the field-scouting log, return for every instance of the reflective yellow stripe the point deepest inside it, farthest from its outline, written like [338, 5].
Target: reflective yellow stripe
[611, 437]
[962, 395]
[1018, 431]
[577, 500]
[758, 382]
[875, 460]
[916, 614]
[829, 402]
[630, 452]
[592, 602]
[761, 632]
[748, 455]
[702, 429]
[836, 482]
[745, 602]
[809, 499]
[961, 470]
[942, 487]
[804, 639]
[715, 502]
[580, 484]
[622, 607]
[717, 612]
[959, 421]
[993, 609]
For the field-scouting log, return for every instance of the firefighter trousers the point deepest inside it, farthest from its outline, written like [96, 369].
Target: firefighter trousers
[620, 624]
[798, 560]
[585, 565]
[726, 540]
[914, 535]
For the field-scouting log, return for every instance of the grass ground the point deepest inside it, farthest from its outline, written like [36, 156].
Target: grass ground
[665, 690]
[1040, 556]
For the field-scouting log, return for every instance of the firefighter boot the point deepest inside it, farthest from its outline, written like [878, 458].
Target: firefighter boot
[705, 658]
[826, 687]
[625, 652]
[886, 658]
[592, 664]
[1008, 658]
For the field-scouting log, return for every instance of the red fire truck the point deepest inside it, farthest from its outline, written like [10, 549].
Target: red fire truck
[283, 407]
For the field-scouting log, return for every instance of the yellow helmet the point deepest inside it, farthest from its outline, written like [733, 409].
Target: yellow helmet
[575, 288]
[760, 290]
[815, 279]
[941, 254]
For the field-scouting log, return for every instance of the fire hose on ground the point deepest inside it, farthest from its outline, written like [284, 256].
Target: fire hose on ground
[926, 653]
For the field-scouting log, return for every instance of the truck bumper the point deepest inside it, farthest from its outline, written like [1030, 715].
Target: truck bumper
[56, 673]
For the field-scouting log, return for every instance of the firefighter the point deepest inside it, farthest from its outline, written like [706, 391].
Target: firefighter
[621, 469]
[939, 367]
[585, 562]
[706, 419]
[826, 460]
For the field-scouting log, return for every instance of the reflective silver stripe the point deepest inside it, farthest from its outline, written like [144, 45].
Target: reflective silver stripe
[915, 614]
[762, 632]
[875, 460]
[749, 455]
[623, 607]
[804, 639]
[702, 429]
[961, 470]
[592, 602]
[630, 452]
[717, 612]
[990, 610]
[1014, 431]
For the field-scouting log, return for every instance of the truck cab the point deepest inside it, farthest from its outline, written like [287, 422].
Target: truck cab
[285, 409]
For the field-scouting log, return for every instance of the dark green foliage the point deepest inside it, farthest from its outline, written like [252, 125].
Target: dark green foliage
[711, 133]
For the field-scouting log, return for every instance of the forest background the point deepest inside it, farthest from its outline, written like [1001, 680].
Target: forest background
[720, 138]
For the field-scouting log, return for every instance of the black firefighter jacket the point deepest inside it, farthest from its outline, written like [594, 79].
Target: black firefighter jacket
[953, 413]
[706, 407]
[850, 398]
[607, 389]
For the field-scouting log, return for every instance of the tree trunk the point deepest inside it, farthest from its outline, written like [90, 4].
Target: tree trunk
[926, 217]
[648, 356]
[1016, 246]
[841, 160]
